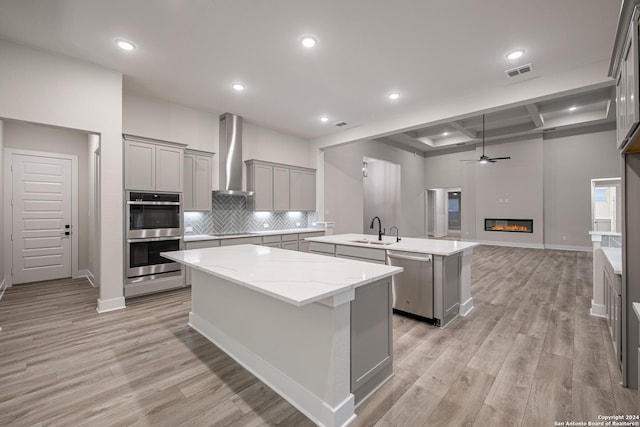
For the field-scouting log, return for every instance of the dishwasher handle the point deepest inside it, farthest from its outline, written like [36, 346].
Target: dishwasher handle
[409, 257]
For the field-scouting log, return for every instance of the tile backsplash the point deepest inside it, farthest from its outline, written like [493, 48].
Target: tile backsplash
[230, 215]
[609, 241]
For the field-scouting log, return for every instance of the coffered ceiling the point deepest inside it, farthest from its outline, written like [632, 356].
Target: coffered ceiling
[443, 56]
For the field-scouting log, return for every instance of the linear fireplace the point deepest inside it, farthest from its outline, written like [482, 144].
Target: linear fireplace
[510, 225]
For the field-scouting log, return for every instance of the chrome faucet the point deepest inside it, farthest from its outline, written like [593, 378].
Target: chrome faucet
[397, 233]
[380, 230]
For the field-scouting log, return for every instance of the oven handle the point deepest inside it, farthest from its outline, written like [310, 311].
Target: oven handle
[152, 239]
[130, 202]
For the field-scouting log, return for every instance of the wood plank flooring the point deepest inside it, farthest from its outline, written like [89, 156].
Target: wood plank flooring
[528, 354]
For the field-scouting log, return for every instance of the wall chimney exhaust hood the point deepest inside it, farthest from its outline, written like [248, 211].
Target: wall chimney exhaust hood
[231, 156]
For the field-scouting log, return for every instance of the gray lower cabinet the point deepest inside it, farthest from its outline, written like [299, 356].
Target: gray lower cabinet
[371, 338]
[613, 305]
[200, 244]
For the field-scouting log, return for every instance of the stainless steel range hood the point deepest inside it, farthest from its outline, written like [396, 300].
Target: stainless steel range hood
[231, 156]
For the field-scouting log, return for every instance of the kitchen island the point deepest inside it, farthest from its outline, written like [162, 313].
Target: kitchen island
[316, 330]
[451, 264]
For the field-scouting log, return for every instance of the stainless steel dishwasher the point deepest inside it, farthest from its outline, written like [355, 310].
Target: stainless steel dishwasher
[413, 288]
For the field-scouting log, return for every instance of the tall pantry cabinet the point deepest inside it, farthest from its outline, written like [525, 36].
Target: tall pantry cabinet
[623, 69]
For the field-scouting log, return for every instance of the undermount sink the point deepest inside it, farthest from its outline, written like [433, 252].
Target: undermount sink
[372, 242]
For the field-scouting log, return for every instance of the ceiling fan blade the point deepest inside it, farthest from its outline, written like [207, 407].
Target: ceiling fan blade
[500, 158]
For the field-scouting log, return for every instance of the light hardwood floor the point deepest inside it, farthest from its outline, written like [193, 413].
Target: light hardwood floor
[528, 354]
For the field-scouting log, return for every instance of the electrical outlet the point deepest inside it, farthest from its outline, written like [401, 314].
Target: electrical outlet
[265, 225]
[297, 224]
[564, 237]
[188, 229]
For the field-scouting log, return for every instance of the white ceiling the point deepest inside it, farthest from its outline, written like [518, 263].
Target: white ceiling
[432, 52]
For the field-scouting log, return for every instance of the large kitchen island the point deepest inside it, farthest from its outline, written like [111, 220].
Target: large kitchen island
[317, 330]
[445, 285]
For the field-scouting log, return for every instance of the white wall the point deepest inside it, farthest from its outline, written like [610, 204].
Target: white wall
[511, 189]
[32, 137]
[156, 118]
[547, 180]
[49, 89]
[570, 162]
[343, 187]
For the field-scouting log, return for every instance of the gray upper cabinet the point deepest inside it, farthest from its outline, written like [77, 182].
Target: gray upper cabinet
[260, 181]
[281, 187]
[627, 114]
[303, 190]
[151, 165]
[198, 171]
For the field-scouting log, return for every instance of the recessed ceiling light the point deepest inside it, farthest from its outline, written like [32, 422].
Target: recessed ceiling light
[125, 44]
[238, 86]
[572, 108]
[308, 41]
[394, 95]
[515, 54]
[324, 119]
[445, 134]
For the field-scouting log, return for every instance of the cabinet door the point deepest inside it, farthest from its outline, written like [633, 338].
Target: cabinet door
[139, 166]
[631, 75]
[188, 193]
[303, 190]
[263, 187]
[292, 246]
[280, 189]
[202, 179]
[309, 184]
[620, 108]
[169, 165]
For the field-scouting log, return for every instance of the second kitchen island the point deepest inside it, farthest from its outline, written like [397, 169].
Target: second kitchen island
[317, 330]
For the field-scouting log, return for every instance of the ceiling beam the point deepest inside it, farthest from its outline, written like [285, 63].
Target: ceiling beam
[460, 126]
[403, 138]
[535, 115]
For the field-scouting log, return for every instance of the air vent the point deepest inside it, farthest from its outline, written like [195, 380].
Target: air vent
[340, 124]
[513, 72]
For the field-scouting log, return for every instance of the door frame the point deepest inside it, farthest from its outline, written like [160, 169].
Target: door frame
[8, 209]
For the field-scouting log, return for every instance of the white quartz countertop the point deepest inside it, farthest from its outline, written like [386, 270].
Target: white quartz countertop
[614, 257]
[298, 278]
[406, 244]
[199, 237]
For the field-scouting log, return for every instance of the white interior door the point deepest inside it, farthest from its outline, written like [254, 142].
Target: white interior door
[41, 216]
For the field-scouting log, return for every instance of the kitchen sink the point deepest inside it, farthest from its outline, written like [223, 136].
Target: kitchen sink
[372, 242]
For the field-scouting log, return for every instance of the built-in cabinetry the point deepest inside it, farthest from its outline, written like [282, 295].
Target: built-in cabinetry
[627, 115]
[152, 165]
[613, 303]
[623, 67]
[198, 172]
[281, 187]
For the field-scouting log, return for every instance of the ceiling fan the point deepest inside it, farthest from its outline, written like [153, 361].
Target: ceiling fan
[485, 159]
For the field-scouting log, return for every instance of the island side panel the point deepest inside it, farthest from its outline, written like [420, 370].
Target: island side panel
[302, 353]
[371, 338]
[466, 301]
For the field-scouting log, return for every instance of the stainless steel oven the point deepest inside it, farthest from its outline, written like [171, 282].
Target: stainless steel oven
[144, 261]
[151, 215]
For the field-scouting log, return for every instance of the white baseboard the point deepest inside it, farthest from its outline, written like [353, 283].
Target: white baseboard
[466, 307]
[598, 310]
[91, 278]
[512, 244]
[110, 304]
[81, 273]
[293, 392]
[569, 248]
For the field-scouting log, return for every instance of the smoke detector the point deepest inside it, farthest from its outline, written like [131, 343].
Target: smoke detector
[513, 72]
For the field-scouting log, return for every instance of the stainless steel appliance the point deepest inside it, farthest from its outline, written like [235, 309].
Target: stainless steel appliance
[413, 288]
[144, 258]
[154, 225]
[231, 156]
[153, 215]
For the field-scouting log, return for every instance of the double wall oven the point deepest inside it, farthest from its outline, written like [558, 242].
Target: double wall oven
[154, 225]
